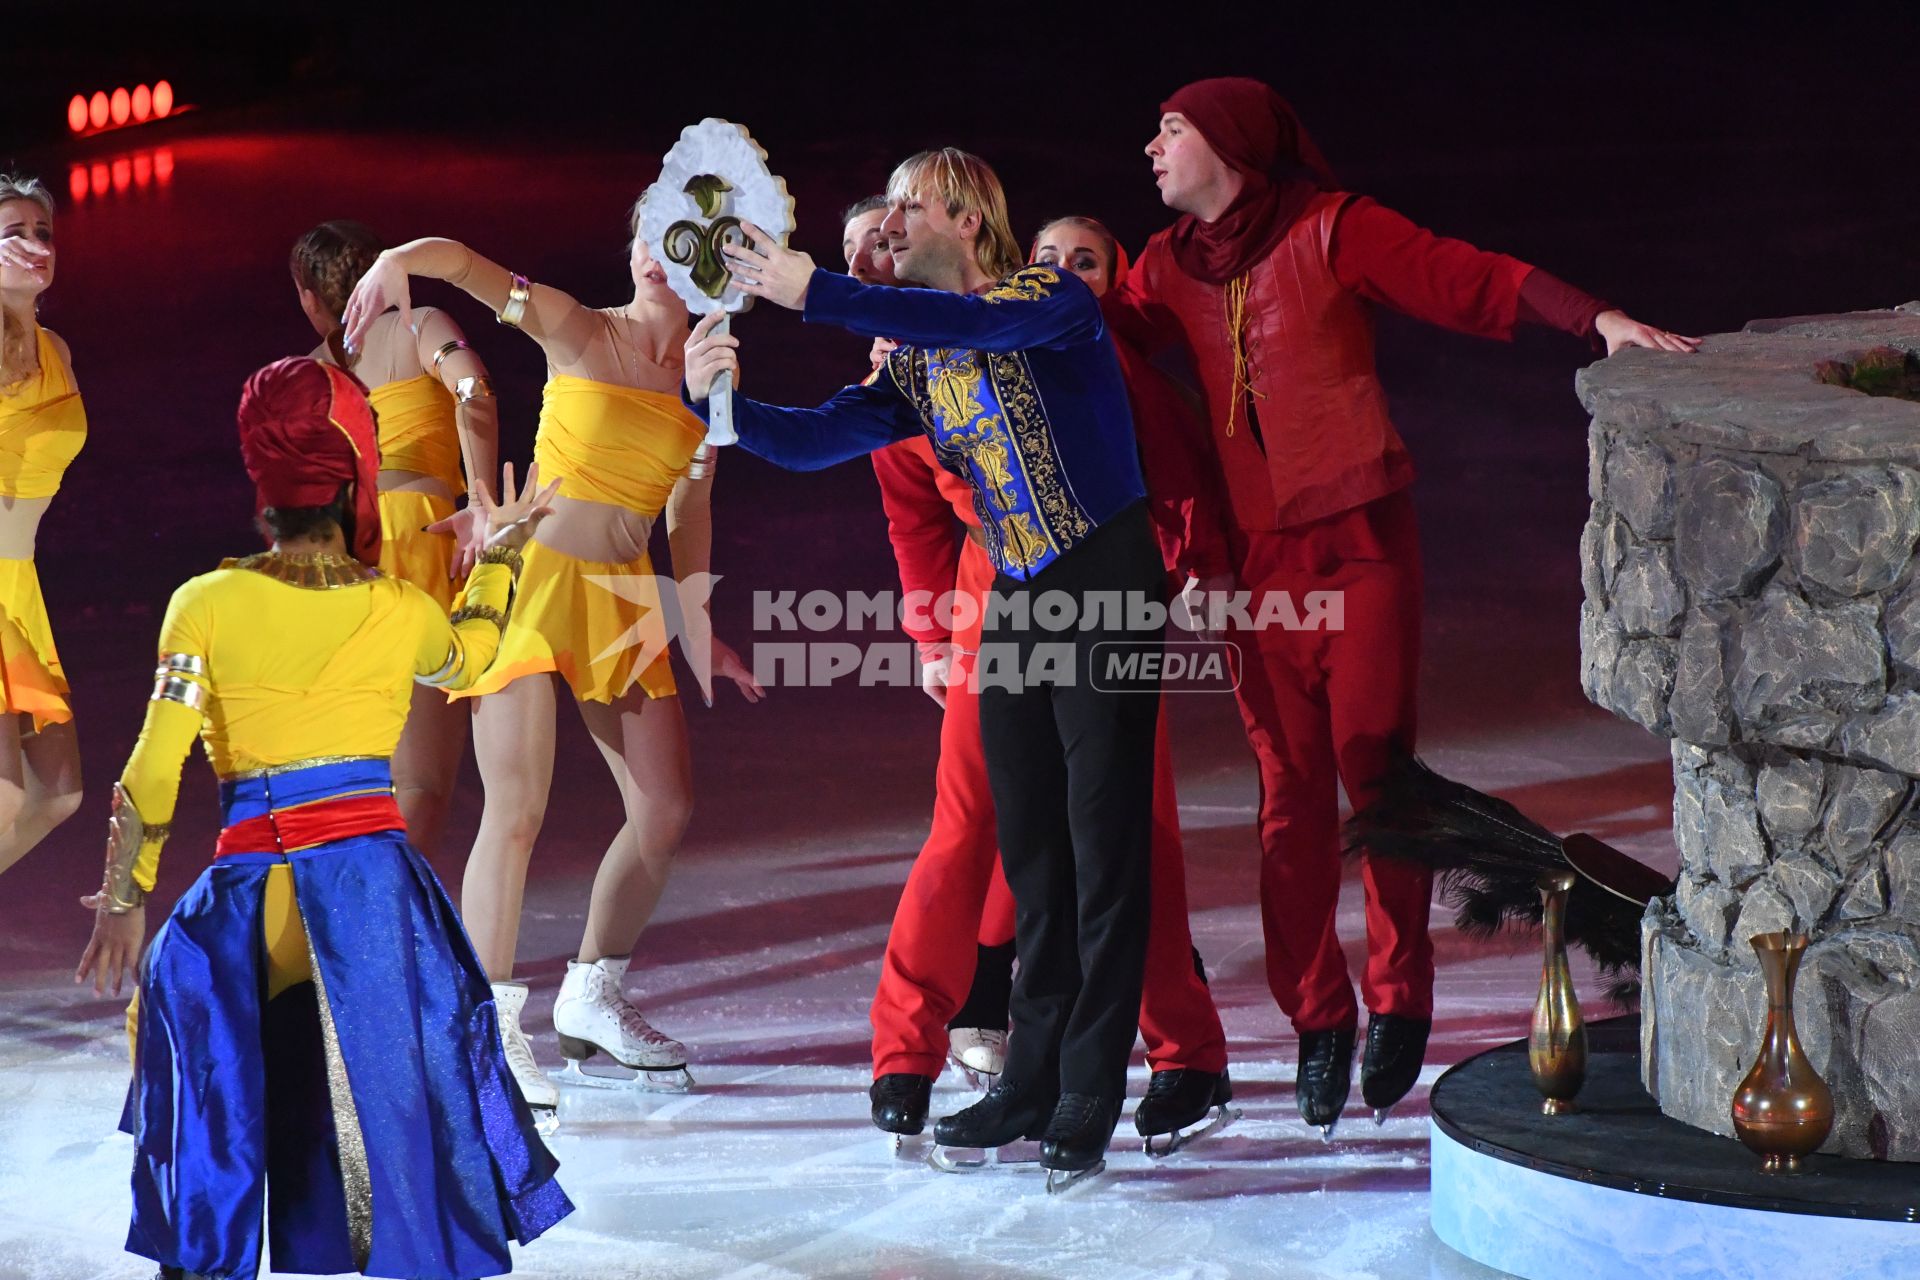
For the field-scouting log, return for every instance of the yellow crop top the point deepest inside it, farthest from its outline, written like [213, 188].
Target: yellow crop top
[418, 429]
[42, 426]
[268, 671]
[618, 445]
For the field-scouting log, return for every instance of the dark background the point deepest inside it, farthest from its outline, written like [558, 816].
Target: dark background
[1697, 167]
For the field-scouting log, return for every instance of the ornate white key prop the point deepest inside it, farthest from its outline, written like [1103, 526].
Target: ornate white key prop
[715, 178]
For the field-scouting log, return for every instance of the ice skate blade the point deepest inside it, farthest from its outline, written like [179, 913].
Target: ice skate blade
[1061, 1181]
[1380, 1115]
[546, 1121]
[1223, 1115]
[961, 1159]
[1326, 1131]
[898, 1144]
[657, 1080]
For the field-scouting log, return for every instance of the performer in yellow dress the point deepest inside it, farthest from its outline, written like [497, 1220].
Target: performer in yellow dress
[612, 428]
[42, 426]
[439, 431]
[315, 1032]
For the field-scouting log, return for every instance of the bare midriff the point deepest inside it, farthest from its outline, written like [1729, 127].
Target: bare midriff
[598, 531]
[20, 524]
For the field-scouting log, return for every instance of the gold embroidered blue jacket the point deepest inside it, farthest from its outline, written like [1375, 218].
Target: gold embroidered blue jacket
[1019, 389]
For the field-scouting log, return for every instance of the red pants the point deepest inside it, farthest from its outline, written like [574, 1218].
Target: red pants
[956, 896]
[1323, 707]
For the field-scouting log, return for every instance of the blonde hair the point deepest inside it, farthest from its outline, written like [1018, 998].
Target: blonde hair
[964, 183]
[19, 354]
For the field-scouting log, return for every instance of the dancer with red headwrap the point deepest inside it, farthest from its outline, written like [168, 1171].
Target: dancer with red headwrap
[312, 1007]
[1266, 278]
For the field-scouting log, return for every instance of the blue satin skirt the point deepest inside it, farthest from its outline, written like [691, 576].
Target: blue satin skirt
[368, 1116]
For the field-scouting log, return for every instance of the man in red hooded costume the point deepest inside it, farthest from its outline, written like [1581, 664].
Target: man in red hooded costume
[1266, 279]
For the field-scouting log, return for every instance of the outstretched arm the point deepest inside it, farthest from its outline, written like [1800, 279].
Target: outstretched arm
[547, 315]
[1037, 306]
[857, 421]
[1386, 258]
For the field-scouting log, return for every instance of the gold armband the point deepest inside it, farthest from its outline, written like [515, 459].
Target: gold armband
[509, 556]
[125, 834]
[448, 670]
[706, 460]
[446, 349]
[168, 687]
[186, 664]
[518, 295]
[472, 388]
[469, 612]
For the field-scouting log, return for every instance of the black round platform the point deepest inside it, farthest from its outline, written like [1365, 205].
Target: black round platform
[1618, 1189]
[1620, 1139]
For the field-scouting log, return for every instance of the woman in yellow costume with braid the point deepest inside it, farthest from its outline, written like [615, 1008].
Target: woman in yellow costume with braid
[439, 432]
[613, 429]
[42, 426]
[311, 1011]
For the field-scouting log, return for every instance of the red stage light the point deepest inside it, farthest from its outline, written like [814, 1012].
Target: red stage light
[162, 100]
[121, 106]
[98, 175]
[77, 112]
[142, 169]
[97, 110]
[77, 182]
[122, 173]
[142, 102]
[163, 164]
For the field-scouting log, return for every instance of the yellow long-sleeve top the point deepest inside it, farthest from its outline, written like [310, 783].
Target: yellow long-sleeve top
[273, 660]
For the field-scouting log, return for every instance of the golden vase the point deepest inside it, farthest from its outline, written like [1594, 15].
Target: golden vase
[1783, 1110]
[1557, 1045]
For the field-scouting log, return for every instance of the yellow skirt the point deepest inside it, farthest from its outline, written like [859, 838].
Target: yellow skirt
[591, 621]
[424, 559]
[31, 680]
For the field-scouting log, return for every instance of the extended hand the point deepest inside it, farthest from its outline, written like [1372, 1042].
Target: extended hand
[385, 285]
[709, 355]
[882, 348]
[766, 269]
[1621, 330]
[727, 666]
[936, 671]
[469, 531]
[25, 254]
[511, 521]
[114, 950]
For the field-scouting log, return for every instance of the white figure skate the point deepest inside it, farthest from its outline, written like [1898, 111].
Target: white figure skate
[542, 1097]
[591, 1016]
[979, 1052]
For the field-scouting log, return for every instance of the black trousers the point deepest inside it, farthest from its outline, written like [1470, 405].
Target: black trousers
[1070, 763]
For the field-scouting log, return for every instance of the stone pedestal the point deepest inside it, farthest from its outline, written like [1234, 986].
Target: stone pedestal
[1752, 594]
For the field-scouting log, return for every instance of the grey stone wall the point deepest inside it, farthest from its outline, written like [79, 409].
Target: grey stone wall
[1752, 593]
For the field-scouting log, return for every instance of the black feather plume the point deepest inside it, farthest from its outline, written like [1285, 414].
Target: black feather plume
[1489, 857]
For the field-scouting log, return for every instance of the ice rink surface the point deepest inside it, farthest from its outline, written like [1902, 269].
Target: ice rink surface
[810, 807]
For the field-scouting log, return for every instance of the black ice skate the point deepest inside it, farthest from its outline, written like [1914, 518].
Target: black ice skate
[1074, 1146]
[971, 1138]
[1396, 1048]
[900, 1104]
[1177, 1101]
[1325, 1078]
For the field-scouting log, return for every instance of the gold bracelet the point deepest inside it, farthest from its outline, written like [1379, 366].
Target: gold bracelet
[509, 556]
[517, 296]
[473, 388]
[468, 613]
[448, 348]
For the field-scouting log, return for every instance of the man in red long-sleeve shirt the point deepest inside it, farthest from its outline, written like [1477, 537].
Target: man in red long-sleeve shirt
[1266, 279]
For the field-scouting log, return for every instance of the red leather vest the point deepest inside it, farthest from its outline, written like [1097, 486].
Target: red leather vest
[1329, 445]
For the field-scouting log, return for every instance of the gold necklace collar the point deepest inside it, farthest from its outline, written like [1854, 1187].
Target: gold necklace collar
[313, 570]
